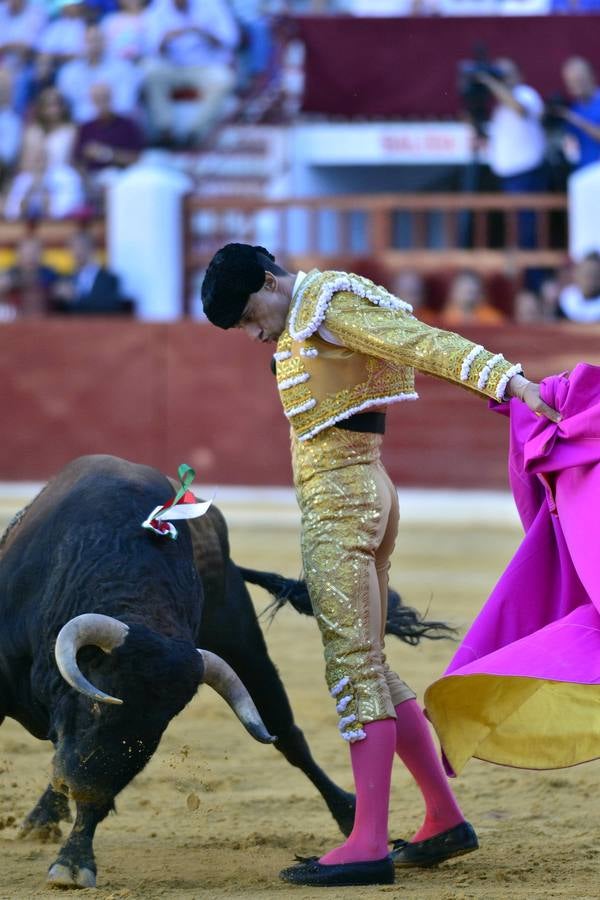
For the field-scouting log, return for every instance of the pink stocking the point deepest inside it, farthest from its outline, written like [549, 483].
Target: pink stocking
[416, 749]
[372, 760]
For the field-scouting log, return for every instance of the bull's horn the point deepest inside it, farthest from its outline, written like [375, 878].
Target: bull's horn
[220, 677]
[90, 628]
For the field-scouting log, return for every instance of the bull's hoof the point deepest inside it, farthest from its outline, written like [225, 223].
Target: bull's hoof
[61, 876]
[342, 809]
[49, 833]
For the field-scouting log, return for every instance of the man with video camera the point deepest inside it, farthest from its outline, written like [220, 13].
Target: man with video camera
[516, 138]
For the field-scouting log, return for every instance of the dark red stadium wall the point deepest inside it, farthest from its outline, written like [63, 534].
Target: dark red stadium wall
[165, 394]
[381, 67]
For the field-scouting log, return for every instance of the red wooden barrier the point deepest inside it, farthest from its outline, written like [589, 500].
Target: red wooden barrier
[165, 394]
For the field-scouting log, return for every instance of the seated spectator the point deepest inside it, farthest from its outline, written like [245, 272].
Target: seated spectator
[41, 191]
[580, 300]
[527, 308]
[549, 295]
[575, 6]
[92, 289]
[582, 140]
[75, 79]
[21, 22]
[64, 37]
[50, 130]
[388, 7]
[193, 43]
[26, 288]
[257, 45]
[10, 128]
[409, 285]
[466, 303]
[106, 144]
[125, 31]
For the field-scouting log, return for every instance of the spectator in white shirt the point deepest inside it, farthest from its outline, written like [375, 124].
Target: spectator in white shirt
[125, 31]
[50, 127]
[580, 301]
[10, 127]
[75, 79]
[193, 42]
[43, 191]
[64, 37]
[21, 22]
[517, 141]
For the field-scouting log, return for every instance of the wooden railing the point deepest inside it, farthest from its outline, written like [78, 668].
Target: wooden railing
[440, 232]
[475, 231]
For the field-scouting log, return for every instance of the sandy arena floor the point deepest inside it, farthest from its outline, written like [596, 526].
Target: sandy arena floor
[216, 815]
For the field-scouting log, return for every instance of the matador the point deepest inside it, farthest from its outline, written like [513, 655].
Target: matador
[347, 349]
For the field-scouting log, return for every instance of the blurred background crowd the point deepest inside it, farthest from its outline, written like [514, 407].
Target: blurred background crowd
[89, 88]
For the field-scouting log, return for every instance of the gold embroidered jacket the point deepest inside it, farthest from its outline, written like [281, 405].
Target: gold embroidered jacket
[380, 345]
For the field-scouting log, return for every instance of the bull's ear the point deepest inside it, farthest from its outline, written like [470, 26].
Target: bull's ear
[88, 629]
[220, 676]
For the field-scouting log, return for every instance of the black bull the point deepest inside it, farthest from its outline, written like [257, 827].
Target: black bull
[79, 548]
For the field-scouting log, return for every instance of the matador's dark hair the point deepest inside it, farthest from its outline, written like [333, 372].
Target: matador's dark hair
[235, 272]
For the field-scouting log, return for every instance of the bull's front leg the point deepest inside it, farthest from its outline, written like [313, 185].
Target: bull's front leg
[42, 822]
[75, 866]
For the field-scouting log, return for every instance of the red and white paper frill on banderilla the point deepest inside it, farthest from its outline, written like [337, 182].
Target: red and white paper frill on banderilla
[184, 505]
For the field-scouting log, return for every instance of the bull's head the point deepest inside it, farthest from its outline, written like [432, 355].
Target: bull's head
[108, 633]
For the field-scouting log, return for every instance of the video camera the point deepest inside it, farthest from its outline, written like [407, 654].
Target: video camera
[553, 108]
[474, 94]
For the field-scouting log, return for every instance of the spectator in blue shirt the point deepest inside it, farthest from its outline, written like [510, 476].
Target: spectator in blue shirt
[583, 114]
[575, 6]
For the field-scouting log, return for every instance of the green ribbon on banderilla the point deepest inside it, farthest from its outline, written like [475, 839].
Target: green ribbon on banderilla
[160, 520]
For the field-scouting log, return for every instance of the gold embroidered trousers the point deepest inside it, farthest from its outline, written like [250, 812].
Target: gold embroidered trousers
[349, 511]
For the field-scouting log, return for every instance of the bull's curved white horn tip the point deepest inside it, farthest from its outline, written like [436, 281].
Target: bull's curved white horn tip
[106, 698]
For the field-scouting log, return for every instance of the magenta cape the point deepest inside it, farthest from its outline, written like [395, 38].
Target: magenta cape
[523, 688]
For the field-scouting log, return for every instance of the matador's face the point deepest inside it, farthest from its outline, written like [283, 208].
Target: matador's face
[266, 312]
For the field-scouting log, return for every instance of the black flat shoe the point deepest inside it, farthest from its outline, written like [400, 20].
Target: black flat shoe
[311, 872]
[435, 850]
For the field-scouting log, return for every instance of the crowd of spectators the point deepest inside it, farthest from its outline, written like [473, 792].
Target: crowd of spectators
[32, 288]
[467, 298]
[84, 86]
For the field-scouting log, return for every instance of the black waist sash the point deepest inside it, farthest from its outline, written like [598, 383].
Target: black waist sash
[373, 422]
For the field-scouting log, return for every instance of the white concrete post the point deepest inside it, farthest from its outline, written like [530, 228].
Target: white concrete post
[145, 236]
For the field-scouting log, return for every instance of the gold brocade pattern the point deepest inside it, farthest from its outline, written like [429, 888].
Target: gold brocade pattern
[336, 475]
[337, 382]
[381, 346]
[400, 338]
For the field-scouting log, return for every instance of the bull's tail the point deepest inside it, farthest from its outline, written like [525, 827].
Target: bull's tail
[402, 621]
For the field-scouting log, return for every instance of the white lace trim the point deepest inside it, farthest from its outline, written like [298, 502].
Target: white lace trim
[292, 382]
[346, 720]
[281, 355]
[339, 687]
[309, 351]
[352, 736]
[341, 706]
[484, 375]
[517, 369]
[377, 401]
[303, 407]
[342, 282]
[468, 361]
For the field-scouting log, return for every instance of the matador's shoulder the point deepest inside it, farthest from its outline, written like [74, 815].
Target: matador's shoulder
[311, 301]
